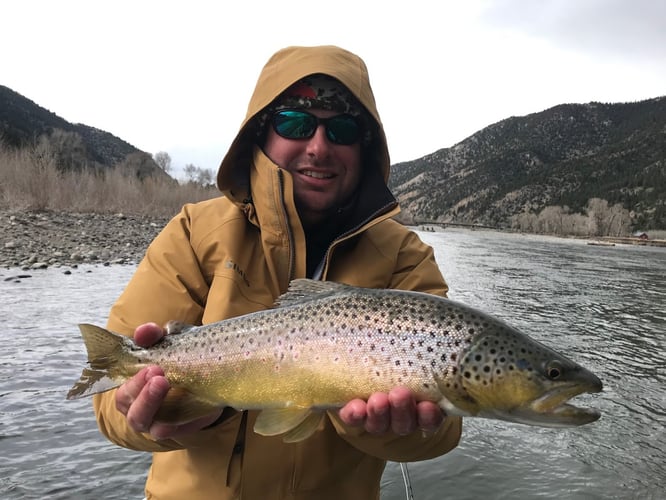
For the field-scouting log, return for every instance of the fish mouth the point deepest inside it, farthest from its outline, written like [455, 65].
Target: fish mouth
[552, 409]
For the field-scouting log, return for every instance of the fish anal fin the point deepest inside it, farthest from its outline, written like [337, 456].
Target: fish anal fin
[295, 423]
[180, 406]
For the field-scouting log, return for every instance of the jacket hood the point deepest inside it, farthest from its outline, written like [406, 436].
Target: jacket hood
[284, 68]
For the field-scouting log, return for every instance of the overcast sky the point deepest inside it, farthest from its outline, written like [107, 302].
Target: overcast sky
[176, 76]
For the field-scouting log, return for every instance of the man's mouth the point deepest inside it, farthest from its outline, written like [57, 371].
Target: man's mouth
[317, 175]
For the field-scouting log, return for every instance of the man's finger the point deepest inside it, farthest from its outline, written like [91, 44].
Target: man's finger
[142, 411]
[148, 334]
[130, 390]
[403, 411]
[378, 413]
[430, 416]
[353, 413]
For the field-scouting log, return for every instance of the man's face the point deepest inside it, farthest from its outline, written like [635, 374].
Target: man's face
[325, 174]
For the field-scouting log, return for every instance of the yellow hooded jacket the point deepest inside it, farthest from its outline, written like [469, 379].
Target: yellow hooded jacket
[234, 255]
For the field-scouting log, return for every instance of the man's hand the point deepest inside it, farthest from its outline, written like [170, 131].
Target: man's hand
[141, 396]
[397, 411]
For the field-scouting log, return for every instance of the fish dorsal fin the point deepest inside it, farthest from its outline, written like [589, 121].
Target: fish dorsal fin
[296, 424]
[303, 290]
[177, 327]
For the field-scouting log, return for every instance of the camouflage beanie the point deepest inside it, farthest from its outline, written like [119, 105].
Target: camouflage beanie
[320, 92]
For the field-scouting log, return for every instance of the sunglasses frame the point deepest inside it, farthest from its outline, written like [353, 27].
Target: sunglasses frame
[330, 134]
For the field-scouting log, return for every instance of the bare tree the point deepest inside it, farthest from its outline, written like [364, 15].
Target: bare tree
[198, 175]
[163, 160]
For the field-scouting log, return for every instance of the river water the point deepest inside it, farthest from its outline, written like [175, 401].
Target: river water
[605, 307]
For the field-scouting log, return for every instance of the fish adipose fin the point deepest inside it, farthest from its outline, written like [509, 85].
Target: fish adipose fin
[181, 406]
[296, 424]
[104, 351]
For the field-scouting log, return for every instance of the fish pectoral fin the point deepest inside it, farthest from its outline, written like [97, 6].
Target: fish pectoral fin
[305, 429]
[180, 406]
[296, 424]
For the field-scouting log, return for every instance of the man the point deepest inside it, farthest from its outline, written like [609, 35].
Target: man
[305, 195]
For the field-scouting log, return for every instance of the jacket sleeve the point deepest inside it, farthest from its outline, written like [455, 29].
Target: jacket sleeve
[167, 285]
[415, 269]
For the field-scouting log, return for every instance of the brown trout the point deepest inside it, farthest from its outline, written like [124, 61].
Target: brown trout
[324, 344]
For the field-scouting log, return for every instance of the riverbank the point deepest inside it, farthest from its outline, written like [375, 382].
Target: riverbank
[36, 240]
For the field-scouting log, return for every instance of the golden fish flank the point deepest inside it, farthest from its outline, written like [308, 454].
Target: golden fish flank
[324, 344]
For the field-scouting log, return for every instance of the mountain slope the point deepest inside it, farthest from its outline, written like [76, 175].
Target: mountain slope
[25, 123]
[563, 156]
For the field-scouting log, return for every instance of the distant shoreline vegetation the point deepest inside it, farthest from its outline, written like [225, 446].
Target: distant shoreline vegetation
[31, 179]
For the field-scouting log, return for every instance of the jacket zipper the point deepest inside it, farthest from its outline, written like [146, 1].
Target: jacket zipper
[373, 217]
[290, 233]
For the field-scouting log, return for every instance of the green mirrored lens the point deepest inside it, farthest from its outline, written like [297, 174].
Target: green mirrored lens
[295, 124]
[342, 129]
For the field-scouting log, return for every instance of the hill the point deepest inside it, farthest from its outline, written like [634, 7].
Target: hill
[575, 168]
[76, 146]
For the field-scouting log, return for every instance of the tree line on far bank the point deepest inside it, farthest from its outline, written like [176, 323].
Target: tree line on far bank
[32, 178]
[599, 219]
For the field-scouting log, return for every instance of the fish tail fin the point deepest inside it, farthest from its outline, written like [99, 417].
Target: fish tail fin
[105, 351]
[295, 424]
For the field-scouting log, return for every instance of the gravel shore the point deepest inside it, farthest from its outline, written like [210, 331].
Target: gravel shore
[37, 240]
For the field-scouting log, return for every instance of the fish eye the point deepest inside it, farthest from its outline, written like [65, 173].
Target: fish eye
[554, 370]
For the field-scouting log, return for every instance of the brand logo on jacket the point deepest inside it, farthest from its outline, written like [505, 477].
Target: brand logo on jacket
[230, 264]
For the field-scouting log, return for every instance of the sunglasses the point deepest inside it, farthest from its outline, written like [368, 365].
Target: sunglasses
[295, 124]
